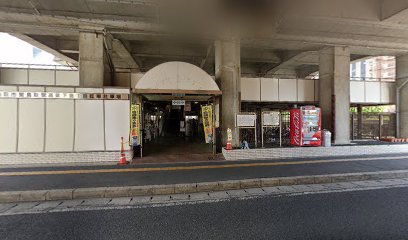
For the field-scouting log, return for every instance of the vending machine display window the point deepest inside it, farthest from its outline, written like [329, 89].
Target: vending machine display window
[305, 126]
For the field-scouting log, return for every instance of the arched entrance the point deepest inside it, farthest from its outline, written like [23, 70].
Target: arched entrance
[174, 96]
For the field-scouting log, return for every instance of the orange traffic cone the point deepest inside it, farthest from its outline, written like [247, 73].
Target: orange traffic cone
[229, 145]
[123, 160]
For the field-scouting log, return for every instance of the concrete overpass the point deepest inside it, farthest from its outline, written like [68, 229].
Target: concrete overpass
[255, 38]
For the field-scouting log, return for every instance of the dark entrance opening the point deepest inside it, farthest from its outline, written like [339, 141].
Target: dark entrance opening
[174, 133]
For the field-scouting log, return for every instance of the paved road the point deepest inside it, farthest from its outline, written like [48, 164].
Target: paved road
[366, 214]
[110, 176]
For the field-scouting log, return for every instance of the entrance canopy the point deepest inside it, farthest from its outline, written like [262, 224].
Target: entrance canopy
[177, 78]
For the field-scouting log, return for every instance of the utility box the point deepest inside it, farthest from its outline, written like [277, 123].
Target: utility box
[327, 138]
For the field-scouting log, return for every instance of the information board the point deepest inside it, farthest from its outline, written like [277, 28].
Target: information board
[246, 120]
[271, 119]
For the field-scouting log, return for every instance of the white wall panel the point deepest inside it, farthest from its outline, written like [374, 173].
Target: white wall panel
[67, 78]
[59, 125]
[30, 89]
[306, 90]
[89, 127]
[357, 92]
[31, 125]
[388, 92]
[60, 89]
[373, 92]
[287, 90]
[14, 76]
[117, 90]
[89, 90]
[41, 77]
[251, 89]
[316, 86]
[116, 124]
[8, 125]
[269, 89]
[8, 122]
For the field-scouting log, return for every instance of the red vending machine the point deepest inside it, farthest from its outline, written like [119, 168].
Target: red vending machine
[305, 126]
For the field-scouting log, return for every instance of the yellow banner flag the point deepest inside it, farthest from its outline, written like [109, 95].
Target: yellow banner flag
[208, 123]
[135, 137]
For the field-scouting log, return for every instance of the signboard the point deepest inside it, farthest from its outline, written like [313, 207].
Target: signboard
[178, 102]
[246, 120]
[208, 123]
[187, 107]
[135, 137]
[271, 118]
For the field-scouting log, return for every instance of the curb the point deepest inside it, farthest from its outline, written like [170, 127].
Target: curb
[133, 191]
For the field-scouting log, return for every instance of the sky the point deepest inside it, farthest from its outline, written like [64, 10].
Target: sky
[14, 50]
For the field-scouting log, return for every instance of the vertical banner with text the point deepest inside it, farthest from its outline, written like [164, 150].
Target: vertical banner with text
[135, 139]
[208, 123]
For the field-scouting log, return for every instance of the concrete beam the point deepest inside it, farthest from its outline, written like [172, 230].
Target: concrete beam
[120, 49]
[94, 61]
[46, 48]
[394, 10]
[204, 61]
[305, 70]
[288, 59]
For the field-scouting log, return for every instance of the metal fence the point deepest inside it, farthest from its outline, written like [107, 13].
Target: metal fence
[271, 136]
[373, 126]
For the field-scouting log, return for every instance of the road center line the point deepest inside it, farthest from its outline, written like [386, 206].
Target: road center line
[182, 168]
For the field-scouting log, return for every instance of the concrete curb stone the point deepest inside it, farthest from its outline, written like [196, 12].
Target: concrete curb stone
[322, 179]
[88, 193]
[112, 192]
[208, 186]
[229, 185]
[163, 189]
[133, 191]
[287, 181]
[185, 188]
[250, 183]
[59, 194]
[269, 182]
[140, 190]
[10, 196]
[33, 196]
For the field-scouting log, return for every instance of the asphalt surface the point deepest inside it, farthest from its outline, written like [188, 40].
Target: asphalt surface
[371, 214]
[63, 181]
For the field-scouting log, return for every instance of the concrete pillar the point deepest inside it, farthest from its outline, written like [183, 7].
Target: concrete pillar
[334, 91]
[228, 77]
[94, 70]
[402, 96]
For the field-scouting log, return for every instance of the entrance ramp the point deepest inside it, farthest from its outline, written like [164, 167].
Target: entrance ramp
[335, 151]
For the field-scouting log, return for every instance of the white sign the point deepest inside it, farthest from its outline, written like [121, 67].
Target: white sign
[178, 102]
[246, 120]
[271, 119]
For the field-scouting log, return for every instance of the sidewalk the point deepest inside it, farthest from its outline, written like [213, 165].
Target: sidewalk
[102, 181]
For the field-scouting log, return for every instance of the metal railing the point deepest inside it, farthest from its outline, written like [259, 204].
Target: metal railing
[39, 66]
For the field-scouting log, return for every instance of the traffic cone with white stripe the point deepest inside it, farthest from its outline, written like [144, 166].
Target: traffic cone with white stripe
[123, 160]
